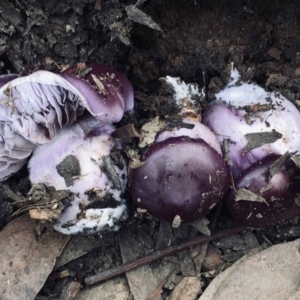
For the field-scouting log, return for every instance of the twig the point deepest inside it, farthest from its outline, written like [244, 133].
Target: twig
[158, 255]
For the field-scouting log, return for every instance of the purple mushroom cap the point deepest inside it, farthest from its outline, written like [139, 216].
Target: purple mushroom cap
[260, 199]
[108, 93]
[181, 177]
[5, 78]
[240, 111]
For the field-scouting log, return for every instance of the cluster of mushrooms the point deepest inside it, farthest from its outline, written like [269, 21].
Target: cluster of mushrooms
[241, 150]
[244, 152]
[63, 124]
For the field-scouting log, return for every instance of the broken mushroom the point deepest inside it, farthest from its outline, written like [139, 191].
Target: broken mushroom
[34, 108]
[82, 164]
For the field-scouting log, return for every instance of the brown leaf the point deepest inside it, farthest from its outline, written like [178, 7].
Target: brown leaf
[126, 133]
[257, 139]
[144, 280]
[246, 195]
[26, 260]
[87, 244]
[116, 289]
[156, 293]
[70, 290]
[213, 260]
[150, 130]
[140, 17]
[188, 289]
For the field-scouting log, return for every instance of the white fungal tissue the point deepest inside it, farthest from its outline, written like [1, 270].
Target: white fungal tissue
[242, 109]
[98, 205]
[185, 94]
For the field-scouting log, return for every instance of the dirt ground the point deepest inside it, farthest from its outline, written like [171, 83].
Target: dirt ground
[196, 40]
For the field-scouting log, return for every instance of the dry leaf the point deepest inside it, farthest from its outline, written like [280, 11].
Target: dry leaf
[70, 289]
[270, 274]
[115, 289]
[134, 162]
[156, 293]
[26, 260]
[140, 17]
[188, 289]
[246, 195]
[144, 280]
[100, 87]
[202, 226]
[213, 260]
[81, 245]
[257, 139]
[150, 130]
[126, 133]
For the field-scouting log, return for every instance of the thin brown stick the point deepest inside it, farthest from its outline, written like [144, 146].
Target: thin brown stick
[158, 255]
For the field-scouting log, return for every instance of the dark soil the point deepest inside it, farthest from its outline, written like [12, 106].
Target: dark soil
[198, 41]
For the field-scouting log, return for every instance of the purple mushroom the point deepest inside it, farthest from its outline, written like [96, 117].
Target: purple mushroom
[14, 149]
[257, 127]
[110, 91]
[182, 177]
[35, 108]
[81, 164]
[267, 193]
[183, 174]
[252, 123]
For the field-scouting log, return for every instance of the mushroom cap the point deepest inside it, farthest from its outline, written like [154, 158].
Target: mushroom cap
[5, 78]
[272, 199]
[35, 108]
[108, 93]
[246, 109]
[181, 176]
[199, 131]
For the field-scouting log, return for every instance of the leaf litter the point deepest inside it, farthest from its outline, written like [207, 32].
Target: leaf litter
[27, 259]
